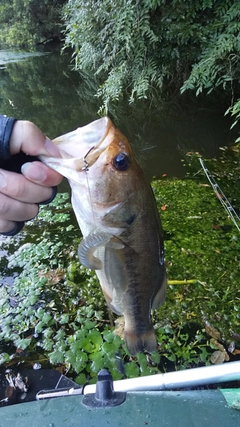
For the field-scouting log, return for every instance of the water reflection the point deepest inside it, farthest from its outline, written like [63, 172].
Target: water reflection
[7, 56]
[43, 89]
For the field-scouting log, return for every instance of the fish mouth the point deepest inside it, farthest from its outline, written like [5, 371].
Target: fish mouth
[84, 145]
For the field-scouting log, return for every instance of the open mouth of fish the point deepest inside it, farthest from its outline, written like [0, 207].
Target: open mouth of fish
[95, 138]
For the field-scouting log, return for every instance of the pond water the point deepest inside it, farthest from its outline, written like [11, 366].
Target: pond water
[43, 88]
[8, 56]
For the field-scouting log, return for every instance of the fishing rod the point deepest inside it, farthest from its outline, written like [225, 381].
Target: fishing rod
[221, 196]
[178, 379]
[168, 381]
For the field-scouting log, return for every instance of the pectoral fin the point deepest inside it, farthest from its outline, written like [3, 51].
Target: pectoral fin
[87, 248]
[116, 278]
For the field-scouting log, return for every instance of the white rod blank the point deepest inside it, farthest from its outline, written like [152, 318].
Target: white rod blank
[179, 379]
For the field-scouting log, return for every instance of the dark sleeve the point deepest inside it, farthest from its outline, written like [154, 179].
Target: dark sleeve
[6, 127]
[8, 162]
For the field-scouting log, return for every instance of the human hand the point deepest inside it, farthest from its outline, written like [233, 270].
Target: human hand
[20, 194]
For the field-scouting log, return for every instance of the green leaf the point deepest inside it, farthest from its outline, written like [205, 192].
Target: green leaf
[95, 337]
[108, 336]
[131, 370]
[4, 358]
[109, 349]
[79, 366]
[97, 365]
[81, 379]
[48, 344]
[56, 357]
[23, 343]
[63, 319]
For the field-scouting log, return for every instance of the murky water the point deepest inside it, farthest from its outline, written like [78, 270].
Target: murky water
[44, 89]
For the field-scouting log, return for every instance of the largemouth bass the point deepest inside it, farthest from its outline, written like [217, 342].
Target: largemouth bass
[117, 214]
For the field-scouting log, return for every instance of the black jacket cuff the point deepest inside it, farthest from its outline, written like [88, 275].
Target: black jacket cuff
[6, 127]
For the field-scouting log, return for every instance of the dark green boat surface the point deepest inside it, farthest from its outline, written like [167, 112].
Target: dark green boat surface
[198, 408]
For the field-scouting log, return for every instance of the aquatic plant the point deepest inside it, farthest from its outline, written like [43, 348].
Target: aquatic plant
[201, 243]
[53, 311]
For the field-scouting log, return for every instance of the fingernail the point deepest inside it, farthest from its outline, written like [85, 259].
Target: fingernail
[52, 148]
[2, 180]
[33, 172]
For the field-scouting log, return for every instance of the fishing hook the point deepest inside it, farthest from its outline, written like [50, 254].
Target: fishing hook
[86, 167]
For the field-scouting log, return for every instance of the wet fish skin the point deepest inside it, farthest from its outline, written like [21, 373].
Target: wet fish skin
[144, 272]
[122, 234]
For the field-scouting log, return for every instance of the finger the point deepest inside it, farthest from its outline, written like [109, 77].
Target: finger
[9, 228]
[40, 173]
[14, 210]
[54, 193]
[17, 187]
[27, 137]
[6, 226]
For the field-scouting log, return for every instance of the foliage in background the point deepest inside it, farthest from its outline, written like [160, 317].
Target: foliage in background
[26, 23]
[139, 47]
[54, 311]
[219, 62]
[115, 41]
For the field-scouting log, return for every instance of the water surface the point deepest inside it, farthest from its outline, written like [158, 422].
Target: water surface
[44, 89]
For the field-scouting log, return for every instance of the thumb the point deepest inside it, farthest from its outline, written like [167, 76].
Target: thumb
[27, 137]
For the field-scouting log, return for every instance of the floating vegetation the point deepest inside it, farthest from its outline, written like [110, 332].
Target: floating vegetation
[53, 312]
[202, 244]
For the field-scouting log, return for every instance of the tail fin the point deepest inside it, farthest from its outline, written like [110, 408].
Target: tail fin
[139, 342]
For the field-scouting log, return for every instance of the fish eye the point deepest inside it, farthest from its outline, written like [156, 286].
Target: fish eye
[121, 162]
